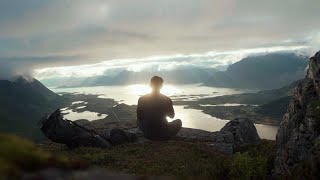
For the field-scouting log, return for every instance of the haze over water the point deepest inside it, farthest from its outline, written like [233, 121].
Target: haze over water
[192, 118]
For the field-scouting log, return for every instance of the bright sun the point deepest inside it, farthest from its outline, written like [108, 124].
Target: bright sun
[141, 89]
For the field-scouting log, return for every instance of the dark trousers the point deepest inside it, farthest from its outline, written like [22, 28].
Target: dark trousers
[174, 127]
[164, 133]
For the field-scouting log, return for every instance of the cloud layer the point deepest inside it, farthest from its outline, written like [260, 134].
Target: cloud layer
[217, 60]
[74, 32]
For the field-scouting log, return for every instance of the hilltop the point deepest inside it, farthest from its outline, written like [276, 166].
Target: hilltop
[23, 102]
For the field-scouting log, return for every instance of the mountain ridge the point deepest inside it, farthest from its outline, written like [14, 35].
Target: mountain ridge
[263, 72]
[24, 102]
[298, 137]
[190, 75]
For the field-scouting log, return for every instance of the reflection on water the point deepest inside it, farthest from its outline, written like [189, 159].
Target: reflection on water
[227, 104]
[194, 118]
[90, 116]
[80, 107]
[267, 132]
[130, 94]
[141, 89]
[79, 102]
[190, 117]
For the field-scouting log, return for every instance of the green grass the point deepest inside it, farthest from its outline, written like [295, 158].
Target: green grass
[173, 158]
[177, 158]
[159, 158]
[18, 155]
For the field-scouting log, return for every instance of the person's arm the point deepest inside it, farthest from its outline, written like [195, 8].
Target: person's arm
[170, 112]
[139, 110]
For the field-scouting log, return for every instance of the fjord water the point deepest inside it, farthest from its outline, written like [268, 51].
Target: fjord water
[192, 118]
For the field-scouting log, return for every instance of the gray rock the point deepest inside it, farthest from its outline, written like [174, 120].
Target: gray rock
[63, 131]
[298, 135]
[198, 135]
[136, 135]
[57, 129]
[220, 141]
[119, 136]
[236, 133]
[243, 131]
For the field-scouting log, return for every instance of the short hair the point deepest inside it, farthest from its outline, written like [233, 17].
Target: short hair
[156, 80]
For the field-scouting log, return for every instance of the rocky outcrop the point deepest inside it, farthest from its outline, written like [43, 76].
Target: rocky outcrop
[236, 133]
[298, 136]
[221, 141]
[243, 131]
[63, 131]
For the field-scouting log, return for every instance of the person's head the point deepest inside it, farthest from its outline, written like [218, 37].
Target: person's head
[156, 84]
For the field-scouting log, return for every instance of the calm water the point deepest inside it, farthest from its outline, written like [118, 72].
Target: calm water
[190, 117]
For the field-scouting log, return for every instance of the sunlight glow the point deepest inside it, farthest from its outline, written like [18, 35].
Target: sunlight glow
[141, 89]
[159, 63]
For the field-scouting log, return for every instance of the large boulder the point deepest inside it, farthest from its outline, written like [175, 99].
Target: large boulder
[298, 136]
[243, 131]
[63, 131]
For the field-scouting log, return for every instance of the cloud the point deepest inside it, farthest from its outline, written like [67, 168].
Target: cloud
[14, 66]
[100, 30]
[218, 60]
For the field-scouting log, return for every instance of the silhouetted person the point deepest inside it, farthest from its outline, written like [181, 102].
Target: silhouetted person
[153, 108]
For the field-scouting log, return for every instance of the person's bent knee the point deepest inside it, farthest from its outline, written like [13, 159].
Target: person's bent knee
[176, 122]
[179, 122]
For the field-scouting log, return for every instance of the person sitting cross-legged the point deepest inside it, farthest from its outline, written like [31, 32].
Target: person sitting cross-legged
[152, 110]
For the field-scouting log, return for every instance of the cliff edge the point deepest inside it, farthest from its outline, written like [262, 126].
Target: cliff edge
[298, 139]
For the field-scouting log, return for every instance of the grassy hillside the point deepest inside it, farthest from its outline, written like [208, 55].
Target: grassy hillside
[19, 155]
[177, 158]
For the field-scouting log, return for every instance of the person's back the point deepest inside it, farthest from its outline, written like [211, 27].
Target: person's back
[152, 111]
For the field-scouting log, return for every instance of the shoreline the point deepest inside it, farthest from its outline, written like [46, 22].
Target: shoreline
[78, 107]
[124, 116]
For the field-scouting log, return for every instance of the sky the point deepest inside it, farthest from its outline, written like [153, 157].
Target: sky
[48, 38]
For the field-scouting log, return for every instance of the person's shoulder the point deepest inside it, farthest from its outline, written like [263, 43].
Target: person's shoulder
[146, 96]
[166, 97]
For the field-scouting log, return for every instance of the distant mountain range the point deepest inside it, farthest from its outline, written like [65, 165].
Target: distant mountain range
[176, 76]
[254, 72]
[186, 75]
[261, 72]
[23, 102]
